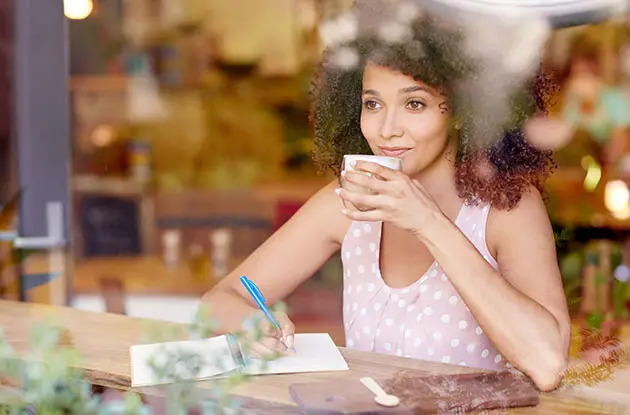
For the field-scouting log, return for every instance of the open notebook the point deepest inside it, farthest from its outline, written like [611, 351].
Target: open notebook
[221, 355]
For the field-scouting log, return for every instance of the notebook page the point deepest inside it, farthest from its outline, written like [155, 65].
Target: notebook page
[315, 352]
[213, 354]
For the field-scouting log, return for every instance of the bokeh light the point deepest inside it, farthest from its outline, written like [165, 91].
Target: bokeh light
[617, 199]
[593, 173]
[78, 9]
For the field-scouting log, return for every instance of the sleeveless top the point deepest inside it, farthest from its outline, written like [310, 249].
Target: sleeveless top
[426, 320]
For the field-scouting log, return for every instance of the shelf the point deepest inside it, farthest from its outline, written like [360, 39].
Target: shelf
[108, 185]
[98, 83]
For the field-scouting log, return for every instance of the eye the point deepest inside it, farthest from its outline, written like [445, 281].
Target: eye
[371, 105]
[414, 105]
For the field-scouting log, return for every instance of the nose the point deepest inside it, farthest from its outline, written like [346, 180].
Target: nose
[390, 127]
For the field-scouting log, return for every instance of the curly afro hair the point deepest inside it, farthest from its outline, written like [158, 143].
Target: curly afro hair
[495, 171]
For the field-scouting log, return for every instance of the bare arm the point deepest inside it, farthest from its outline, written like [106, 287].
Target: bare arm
[522, 308]
[288, 258]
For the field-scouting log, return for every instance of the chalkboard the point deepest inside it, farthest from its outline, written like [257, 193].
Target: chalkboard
[109, 226]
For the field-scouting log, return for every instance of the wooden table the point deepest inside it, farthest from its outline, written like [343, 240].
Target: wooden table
[104, 341]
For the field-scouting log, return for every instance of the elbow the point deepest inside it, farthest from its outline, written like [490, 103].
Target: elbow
[549, 373]
[549, 365]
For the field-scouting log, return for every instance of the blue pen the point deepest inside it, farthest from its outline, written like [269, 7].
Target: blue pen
[253, 290]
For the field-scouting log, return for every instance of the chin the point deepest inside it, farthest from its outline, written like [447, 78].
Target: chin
[412, 167]
[409, 167]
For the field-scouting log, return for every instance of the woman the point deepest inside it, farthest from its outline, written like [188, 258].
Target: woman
[451, 259]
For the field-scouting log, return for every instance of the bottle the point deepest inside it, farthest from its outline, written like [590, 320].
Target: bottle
[140, 161]
[171, 248]
[199, 264]
[221, 242]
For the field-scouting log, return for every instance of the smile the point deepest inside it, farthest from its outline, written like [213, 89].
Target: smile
[394, 151]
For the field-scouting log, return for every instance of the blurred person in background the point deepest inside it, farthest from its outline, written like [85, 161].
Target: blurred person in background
[451, 259]
[592, 105]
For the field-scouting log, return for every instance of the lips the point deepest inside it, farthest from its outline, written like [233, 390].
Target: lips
[394, 151]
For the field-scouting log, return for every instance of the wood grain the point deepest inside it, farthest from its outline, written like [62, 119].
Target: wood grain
[104, 340]
[420, 395]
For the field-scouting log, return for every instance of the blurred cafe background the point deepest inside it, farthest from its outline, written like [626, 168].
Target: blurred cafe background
[149, 146]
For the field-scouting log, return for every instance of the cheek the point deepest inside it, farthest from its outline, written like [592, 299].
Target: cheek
[428, 131]
[370, 127]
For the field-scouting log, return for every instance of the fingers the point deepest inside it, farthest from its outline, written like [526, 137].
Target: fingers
[364, 201]
[372, 183]
[288, 328]
[376, 169]
[365, 216]
[273, 342]
[267, 348]
[352, 187]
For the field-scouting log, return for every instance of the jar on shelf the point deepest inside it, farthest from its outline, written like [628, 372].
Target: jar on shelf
[171, 247]
[140, 160]
[199, 263]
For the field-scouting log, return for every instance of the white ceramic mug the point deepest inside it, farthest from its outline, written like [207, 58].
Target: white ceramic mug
[393, 163]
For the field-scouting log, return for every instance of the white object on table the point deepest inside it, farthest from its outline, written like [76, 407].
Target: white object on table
[315, 352]
[380, 396]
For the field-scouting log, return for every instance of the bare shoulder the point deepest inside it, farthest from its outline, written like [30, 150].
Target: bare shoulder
[527, 220]
[530, 211]
[325, 208]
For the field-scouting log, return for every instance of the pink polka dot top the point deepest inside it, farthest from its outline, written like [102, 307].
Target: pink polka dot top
[426, 320]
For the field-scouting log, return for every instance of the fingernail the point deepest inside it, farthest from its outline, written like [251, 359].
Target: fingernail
[353, 163]
[344, 211]
[343, 173]
[338, 191]
[290, 341]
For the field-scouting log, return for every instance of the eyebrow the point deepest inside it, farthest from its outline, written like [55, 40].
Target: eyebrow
[406, 90]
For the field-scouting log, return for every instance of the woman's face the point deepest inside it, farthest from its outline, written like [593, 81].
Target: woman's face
[403, 118]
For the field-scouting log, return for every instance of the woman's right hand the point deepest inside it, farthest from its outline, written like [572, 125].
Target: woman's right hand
[269, 341]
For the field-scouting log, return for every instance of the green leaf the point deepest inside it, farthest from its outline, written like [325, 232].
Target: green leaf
[594, 320]
[571, 266]
[52, 385]
[619, 297]
[133, 405]
[203, 325]
[45, 336]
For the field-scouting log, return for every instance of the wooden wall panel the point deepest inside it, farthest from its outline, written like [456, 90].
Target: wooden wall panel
[6, 98]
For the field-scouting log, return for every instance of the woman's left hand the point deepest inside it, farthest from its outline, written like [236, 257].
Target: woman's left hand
[389, 196]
